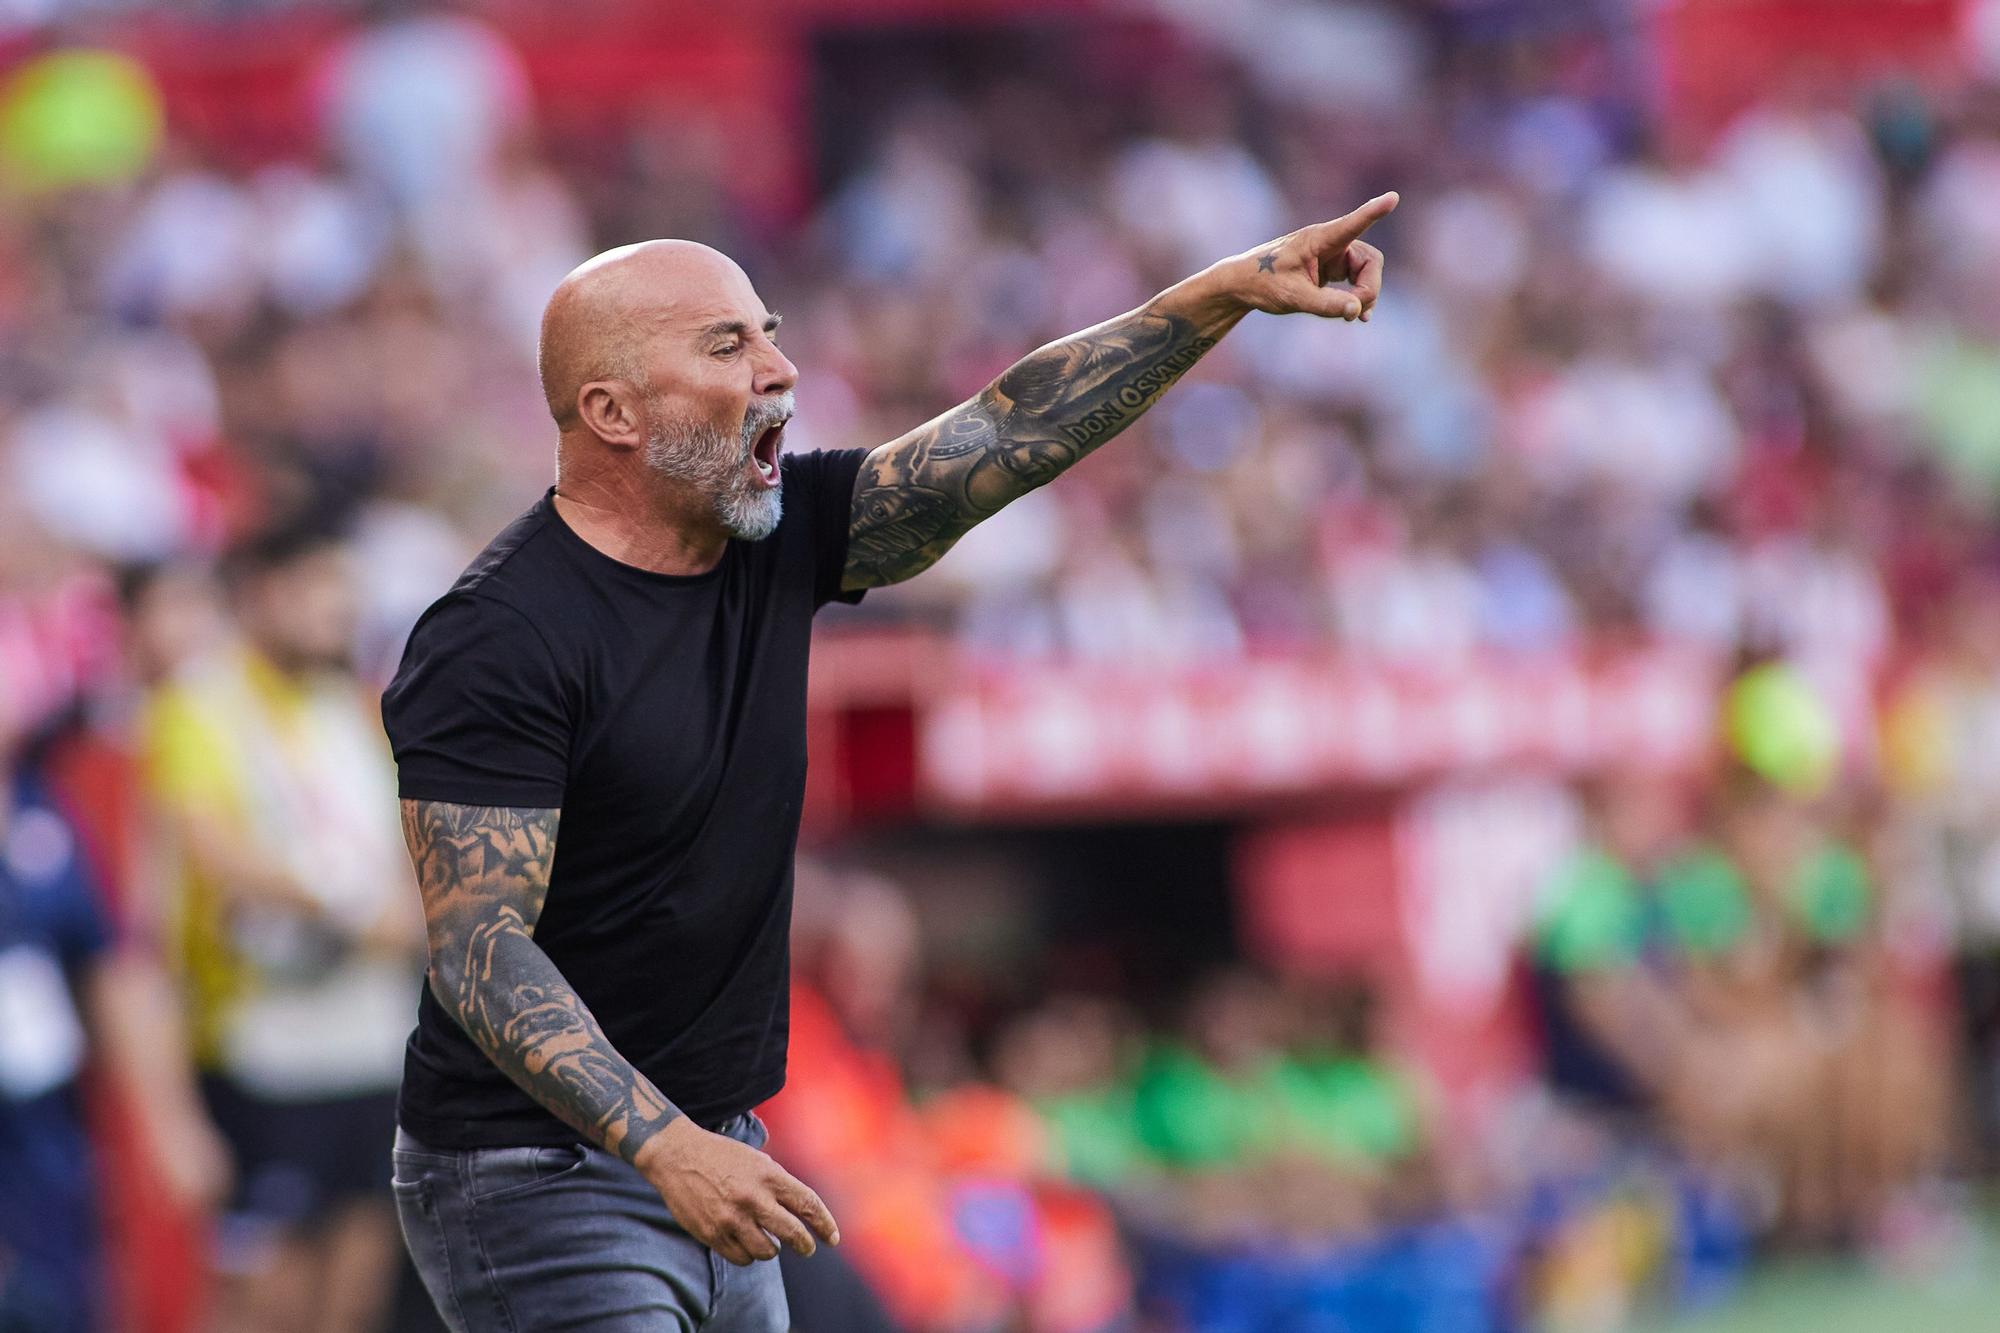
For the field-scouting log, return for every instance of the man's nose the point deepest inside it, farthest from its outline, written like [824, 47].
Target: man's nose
[777, 374]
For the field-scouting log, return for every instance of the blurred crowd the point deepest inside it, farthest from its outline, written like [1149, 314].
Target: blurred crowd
[1754, 1030]
[1739, 396]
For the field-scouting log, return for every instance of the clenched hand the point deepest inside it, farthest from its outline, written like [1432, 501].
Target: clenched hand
[1292, 274]
[731, 1197]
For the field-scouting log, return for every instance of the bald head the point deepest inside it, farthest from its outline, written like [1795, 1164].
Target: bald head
[660, 368]
[598, 318]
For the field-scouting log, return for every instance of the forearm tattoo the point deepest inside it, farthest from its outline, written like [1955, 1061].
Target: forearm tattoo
[917, 496]
[484, 873]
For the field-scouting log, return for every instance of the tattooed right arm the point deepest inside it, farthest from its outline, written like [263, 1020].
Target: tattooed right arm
[484, 872]
[918, 494]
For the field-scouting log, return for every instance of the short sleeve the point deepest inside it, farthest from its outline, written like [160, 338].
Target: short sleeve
[478, 713]
[46, 858]
[822, 483]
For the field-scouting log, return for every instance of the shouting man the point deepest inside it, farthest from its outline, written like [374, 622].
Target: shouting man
[601, 738]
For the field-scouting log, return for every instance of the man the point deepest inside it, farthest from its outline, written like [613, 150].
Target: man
[71, 989]
[629, 657]
[298, 939]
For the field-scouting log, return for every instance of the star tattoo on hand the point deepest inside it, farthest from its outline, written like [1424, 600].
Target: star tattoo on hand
[1268, 262]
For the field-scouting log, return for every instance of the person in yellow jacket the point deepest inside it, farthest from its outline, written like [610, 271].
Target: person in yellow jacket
[296, 931]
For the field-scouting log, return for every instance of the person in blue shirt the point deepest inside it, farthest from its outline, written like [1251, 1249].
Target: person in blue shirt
[70, 993]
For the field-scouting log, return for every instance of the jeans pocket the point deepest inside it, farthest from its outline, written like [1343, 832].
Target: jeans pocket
[504, 1173]
[410, 1168]
[429, 1247]
[415, 1197]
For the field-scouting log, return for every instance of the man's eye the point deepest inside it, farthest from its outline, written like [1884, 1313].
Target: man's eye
[727, 349]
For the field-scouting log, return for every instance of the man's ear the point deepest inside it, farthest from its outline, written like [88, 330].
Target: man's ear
[609, 408]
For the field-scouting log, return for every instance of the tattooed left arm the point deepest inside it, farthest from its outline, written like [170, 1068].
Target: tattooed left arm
[917, 495]
[484, 875]
[484, 872]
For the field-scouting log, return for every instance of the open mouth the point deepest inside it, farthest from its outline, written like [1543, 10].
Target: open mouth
[764, 453]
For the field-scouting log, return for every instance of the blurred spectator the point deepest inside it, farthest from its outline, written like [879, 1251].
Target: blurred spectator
[299, 931]
[1280, 1118]
[1941, 766]
[950, 1209]
[1760, 953]
[70, 989]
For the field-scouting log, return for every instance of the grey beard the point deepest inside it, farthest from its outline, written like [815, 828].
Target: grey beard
[712, 462]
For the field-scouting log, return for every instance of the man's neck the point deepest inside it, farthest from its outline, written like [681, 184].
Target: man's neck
[637, 525]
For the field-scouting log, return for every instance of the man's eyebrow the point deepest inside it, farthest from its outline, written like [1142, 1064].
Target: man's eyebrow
[739, 327]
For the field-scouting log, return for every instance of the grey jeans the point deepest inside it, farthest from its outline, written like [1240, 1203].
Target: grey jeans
[521, 1240]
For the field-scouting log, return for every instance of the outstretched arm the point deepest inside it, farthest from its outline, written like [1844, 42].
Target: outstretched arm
[484, 873]
[917, 495]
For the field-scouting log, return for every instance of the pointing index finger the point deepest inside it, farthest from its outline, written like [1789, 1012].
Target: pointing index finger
[1344, 231]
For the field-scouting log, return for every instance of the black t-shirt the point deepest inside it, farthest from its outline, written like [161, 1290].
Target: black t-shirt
[666, 716]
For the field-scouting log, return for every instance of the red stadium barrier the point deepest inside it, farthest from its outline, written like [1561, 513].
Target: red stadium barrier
[904, 725]
[1053, 737]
